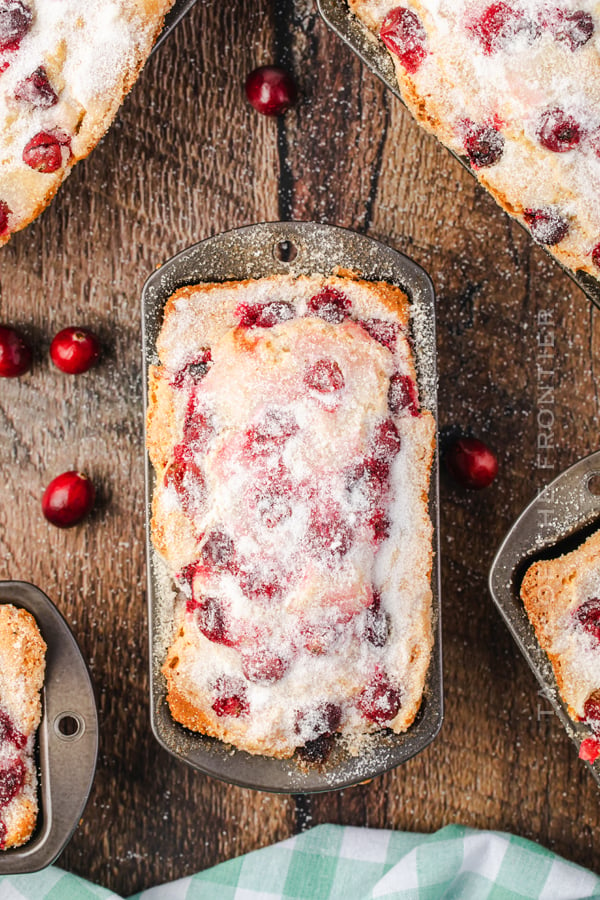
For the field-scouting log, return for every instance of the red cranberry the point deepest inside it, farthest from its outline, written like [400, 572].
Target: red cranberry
[74, 350]
[262, 587]
[402, 395]
[484, 146]
[380, 525]
[264, 315]
[197, 429]
[232, 699]
[213, 622]
[403, 33]
[496, 26]
[588, 616]
[273, 507]
[219, 550]
[589, 750]
[271, 90]
[37, 90]
[262, 665]
[557, 131]
[471, 463]
[311, 724]
[186, 477]
[377, 624]
[8, 732]
[5, 212]
[12, 779]
[547, 226]
[591, 711]
[195, 370]
[574, 28]
[386, 441]
[328, 534]
[381, 331]
[370, 477]
[15, 355]
[44, 152]
[596, 256]
[3, 833]
[331, 305]
[15, 22]
[68, 499]
[324, 376]
[271, 432]
[379, 701]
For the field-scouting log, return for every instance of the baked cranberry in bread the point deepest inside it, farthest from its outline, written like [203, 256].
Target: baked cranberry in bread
[292, 468]
[65, 68]
[562, 599]
[513, 86]
[22, 666]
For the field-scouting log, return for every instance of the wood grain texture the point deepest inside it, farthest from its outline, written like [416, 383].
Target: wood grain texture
[188, 158]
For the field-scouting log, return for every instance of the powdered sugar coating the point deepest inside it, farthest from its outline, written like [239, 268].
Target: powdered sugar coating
[87, 56]
[300, 598]
[507, 65]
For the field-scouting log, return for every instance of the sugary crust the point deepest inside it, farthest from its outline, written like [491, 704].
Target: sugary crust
[22, 668]
[204, 316]
[510, 87]
[552, 591]
[83, 111]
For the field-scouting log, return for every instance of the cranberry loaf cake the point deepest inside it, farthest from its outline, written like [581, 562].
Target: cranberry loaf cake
[562, 599]
[514, 87]
[292, 468]
[65, 67]
[22, 668]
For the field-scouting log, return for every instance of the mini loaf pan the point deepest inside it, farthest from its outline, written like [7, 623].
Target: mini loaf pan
[253, 252]
[560, 518]
[373, 53]
[67, 740]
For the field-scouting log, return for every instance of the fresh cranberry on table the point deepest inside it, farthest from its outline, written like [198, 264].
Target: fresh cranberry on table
[271, 90]
[68, 499]
[471, 463]
[74, 350]
[15, 355]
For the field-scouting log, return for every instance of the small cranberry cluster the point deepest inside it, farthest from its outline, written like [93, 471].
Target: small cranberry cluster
[70, 496]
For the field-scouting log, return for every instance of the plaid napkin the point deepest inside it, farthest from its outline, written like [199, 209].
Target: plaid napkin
[334, 862]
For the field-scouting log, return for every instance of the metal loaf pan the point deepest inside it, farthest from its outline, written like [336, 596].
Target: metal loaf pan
[373, 53]
[254, 252]
[560, 518]
[67, 742]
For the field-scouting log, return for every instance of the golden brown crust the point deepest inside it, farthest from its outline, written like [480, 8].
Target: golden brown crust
[552, 591]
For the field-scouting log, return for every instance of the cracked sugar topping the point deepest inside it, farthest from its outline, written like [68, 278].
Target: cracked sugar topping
[515, 88]
[291, 509]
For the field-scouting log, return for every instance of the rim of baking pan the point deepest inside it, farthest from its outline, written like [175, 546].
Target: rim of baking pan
[561, 517]
[67, 739]
[337, 15]
[177, 12]
[256, 251]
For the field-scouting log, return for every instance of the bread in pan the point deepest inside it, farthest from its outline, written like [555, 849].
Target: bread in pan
[292, 464]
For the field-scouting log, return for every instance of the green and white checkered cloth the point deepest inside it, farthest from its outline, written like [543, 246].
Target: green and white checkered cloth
[334, 862]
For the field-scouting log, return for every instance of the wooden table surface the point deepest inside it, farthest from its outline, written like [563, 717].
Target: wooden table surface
[188, 158]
